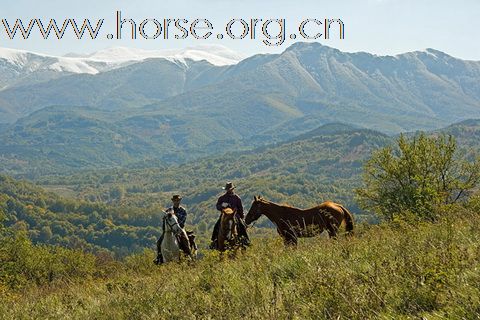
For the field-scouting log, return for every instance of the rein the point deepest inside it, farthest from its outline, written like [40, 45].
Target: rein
[170, 225]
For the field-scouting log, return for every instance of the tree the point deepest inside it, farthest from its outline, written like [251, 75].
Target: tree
[117, 193]
[45, 234]
[416, 177]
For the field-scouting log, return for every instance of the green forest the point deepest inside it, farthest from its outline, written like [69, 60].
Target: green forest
[81, 245]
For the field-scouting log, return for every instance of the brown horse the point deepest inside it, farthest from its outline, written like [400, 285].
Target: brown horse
[293, 223]
[227, 233]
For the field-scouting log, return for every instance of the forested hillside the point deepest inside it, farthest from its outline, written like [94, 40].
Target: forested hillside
[118, 209]
[324, 164]
[95, 227]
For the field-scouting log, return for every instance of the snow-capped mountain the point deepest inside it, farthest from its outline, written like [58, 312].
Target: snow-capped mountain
[24, 67]
[214, 54]
[172, 108]
[420, 89]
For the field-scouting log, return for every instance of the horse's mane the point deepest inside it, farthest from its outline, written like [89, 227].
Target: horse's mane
[283, 205]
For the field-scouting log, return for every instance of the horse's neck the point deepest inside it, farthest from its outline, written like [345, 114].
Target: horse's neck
[274, 212]
[169, 230]
[169, 237]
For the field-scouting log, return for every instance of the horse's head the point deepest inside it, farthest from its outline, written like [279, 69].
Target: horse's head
[228, 230]
[255, 210]
[228, 218]
[171, 222]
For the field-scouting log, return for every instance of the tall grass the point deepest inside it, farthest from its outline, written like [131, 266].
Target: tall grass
[395, 271]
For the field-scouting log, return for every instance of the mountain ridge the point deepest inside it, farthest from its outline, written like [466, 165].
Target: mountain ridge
[183, 112]
[21, 67]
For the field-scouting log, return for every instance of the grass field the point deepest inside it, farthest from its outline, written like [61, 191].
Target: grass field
[392, 271]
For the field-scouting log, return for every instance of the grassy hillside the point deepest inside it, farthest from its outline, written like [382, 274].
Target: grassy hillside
[396, 271]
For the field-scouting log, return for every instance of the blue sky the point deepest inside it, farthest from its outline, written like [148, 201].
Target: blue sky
[376, 26]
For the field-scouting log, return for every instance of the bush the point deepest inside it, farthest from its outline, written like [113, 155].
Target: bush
[23, 264]
[418, 176]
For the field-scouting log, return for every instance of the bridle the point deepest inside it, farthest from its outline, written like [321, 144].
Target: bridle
[170, 225]
[257, 214]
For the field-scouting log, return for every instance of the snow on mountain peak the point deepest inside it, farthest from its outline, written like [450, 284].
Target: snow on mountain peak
[110, 58]
[13, 56]
[214, 54]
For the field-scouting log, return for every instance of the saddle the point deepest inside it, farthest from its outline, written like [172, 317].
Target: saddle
[189, 247]
[191, 240]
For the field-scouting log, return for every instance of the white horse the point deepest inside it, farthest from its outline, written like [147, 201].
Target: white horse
[172, 232]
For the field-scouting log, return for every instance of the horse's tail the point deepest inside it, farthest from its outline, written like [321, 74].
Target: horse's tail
[348, 220]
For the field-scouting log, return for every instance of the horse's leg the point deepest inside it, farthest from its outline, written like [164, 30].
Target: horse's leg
[290, 241]
[184, 243]
[332, 230]
[221, 239]
[280, 232]
[289, 237]
[221, 244]
[165, 255]
[159, 258]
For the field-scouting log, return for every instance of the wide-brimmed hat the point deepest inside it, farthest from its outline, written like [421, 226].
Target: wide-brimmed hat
[229, 186]
[176, 197]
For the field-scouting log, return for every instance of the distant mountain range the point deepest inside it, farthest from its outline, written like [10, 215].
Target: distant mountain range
[119, 106]
[20, 67]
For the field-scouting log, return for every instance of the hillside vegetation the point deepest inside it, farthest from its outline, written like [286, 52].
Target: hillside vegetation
[325, 164]
[118, 210]
[95, 227]
[57, 256]
[398, 271]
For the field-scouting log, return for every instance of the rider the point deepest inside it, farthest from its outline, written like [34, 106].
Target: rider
[181, 214]
[231, 200]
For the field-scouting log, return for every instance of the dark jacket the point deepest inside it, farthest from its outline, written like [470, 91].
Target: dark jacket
[233, 201]
[181, 214]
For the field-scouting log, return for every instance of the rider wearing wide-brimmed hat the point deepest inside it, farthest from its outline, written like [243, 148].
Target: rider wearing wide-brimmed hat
[181, 214]
[230, 200]
[179, 211]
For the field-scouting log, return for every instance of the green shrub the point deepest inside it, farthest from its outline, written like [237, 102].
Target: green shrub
[24, 264]
[417, 177]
